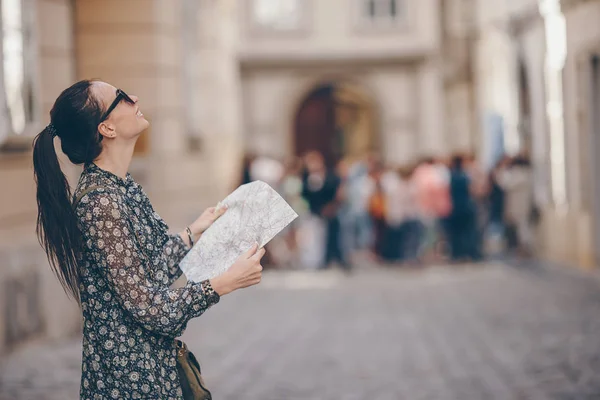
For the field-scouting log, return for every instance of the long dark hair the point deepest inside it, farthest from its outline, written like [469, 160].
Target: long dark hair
[74, 119]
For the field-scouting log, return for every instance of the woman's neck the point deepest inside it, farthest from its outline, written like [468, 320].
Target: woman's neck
[115, 160]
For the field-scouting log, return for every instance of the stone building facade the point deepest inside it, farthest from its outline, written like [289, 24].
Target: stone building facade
[537, 87]
[218, 78]
[382, 57]
[136, 45]
[577, 228]
[510, 85]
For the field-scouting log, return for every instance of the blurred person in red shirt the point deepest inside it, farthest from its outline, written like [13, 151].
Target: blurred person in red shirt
[432, 188]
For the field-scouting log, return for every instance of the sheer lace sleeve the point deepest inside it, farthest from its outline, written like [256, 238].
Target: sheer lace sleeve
[110, 241]
[174, 250]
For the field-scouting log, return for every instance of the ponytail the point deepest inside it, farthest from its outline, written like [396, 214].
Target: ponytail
[75, 117]
[57, 228]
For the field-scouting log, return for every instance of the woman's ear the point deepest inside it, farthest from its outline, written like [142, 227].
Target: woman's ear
[107, 130]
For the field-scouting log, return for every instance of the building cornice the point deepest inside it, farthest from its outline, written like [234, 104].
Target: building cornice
[254, 59]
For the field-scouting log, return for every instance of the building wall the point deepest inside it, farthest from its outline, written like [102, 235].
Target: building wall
[509, 32]
[237, 87]
[533, 52]
[458, 37]
[407, 128]
[333, 30]
[220, 91]
[583, 40]
[573, 231]
[138, 46]
[513, 32]
[497, 89]
[389, 64]
[32, 303]
[135, 45]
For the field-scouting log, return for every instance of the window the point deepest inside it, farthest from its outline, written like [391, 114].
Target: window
[277, 14]
[382, 12]
[18, 65]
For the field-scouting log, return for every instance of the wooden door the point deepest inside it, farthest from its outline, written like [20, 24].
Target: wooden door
[315, 124]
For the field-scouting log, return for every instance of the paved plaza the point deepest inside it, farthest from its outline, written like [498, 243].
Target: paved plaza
[484, 332]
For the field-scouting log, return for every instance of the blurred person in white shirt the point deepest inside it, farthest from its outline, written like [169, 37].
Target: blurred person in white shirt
[267, 169]
[517, 182]
[402, 215]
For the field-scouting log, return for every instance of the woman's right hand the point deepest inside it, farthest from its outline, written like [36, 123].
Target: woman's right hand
[245, 271]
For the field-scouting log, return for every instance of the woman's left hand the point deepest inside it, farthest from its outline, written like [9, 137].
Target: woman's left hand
[207, 218]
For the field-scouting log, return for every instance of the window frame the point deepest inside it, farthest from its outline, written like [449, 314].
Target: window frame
[254, 28]
[11, 141]
[382, 23]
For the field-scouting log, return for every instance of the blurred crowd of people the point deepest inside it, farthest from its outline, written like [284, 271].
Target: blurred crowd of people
[437, 209]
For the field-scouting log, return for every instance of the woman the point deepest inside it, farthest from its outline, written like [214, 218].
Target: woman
[113, 253]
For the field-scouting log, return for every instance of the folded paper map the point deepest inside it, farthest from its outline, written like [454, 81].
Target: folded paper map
[255, 214]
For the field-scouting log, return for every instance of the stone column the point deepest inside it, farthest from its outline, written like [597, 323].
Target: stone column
[219, 93]
[137, 45]
[432, 139]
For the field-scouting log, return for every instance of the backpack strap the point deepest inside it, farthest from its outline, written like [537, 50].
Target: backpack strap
[83, 193]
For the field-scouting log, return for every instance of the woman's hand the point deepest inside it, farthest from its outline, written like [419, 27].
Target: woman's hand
[245, 271]
[205, 220]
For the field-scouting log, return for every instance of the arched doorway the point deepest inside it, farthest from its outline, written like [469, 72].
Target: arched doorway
[337, 120]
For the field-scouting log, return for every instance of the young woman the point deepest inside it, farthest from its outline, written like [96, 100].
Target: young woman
[114, 254]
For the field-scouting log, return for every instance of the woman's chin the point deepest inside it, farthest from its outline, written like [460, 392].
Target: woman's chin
[144, 124]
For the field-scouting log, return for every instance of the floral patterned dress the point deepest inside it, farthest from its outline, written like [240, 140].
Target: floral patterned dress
[130, 314]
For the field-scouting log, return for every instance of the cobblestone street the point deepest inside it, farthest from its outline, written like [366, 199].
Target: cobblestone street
[453, 333]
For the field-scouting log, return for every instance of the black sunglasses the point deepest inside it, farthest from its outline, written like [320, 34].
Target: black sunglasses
[121, 95]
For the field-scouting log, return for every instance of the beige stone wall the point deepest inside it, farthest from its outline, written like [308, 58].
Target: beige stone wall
[136, 45]
[398, 68]
[398, 98]
[458, 35]
[332, 30]
[432, 127]
[407, 101]
[497, 84]
[502, 29]
[583, 39]
[219, 92]
[566, 233]
[24, 269]
[533, 41]
[576, 229]
[459, 110]
[515, 28]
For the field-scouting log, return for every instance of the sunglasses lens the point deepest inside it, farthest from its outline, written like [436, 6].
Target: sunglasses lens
[128, 99]
[124, 96]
